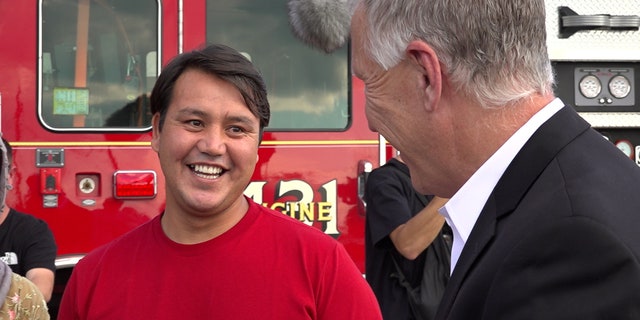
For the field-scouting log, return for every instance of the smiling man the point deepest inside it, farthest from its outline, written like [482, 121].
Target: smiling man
[214, 253]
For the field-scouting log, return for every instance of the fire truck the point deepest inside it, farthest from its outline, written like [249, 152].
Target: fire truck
[76, 75]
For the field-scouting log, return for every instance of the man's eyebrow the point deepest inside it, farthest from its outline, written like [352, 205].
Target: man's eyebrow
[243, 119]
[192, 111]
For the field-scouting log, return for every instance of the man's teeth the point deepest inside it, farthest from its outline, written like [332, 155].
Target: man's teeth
[210, 170]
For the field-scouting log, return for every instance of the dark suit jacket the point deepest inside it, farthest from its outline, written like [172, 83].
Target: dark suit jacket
[559, 237]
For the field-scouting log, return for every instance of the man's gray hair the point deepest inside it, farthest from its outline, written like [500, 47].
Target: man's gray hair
[493, 50]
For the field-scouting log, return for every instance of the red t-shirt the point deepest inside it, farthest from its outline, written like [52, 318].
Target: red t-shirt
[268, 266]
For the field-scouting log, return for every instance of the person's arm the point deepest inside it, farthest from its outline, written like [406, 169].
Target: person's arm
[43, 279]
[414, 236]
[39, 257]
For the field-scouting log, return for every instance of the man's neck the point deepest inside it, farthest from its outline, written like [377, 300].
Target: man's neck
[192, 229]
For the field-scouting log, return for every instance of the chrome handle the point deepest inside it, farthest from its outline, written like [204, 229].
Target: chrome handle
[364, 168]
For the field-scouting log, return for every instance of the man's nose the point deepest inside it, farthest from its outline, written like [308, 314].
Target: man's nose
[213, 142]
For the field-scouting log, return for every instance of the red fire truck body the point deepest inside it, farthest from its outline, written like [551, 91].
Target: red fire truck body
[69, 66]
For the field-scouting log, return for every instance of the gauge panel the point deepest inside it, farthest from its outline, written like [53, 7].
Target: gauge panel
[602, 86]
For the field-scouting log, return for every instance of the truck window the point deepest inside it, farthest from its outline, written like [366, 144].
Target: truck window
[98, 62]
[307, 89]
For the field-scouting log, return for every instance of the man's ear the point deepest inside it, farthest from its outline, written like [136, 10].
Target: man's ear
[427, 62]
[155, 131]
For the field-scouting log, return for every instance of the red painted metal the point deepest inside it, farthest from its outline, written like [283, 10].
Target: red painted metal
[317, 168]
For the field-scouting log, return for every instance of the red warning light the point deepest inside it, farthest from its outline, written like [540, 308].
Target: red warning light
[134, 184]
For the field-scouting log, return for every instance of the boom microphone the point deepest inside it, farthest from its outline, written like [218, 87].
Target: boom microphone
[321, 24]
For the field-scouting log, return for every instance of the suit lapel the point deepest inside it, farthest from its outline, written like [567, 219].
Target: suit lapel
[525, 168]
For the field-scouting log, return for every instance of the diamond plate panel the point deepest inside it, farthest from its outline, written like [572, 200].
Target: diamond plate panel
[612, 119]
[593, 45]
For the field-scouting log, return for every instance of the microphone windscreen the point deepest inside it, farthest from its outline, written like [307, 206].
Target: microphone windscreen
[321, 24]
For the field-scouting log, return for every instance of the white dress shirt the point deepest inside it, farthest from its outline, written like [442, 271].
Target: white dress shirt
[463, 209]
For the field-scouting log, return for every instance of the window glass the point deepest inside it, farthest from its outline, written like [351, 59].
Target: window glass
[99, 63]
[307, 89]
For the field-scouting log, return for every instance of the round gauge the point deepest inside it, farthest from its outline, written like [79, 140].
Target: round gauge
[619, 86]
[590, 86]
[626, 147]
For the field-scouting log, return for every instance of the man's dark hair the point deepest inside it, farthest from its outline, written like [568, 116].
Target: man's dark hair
[223, 62]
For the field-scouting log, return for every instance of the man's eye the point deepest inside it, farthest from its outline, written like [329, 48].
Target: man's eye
[236, 129]
[195, 123]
